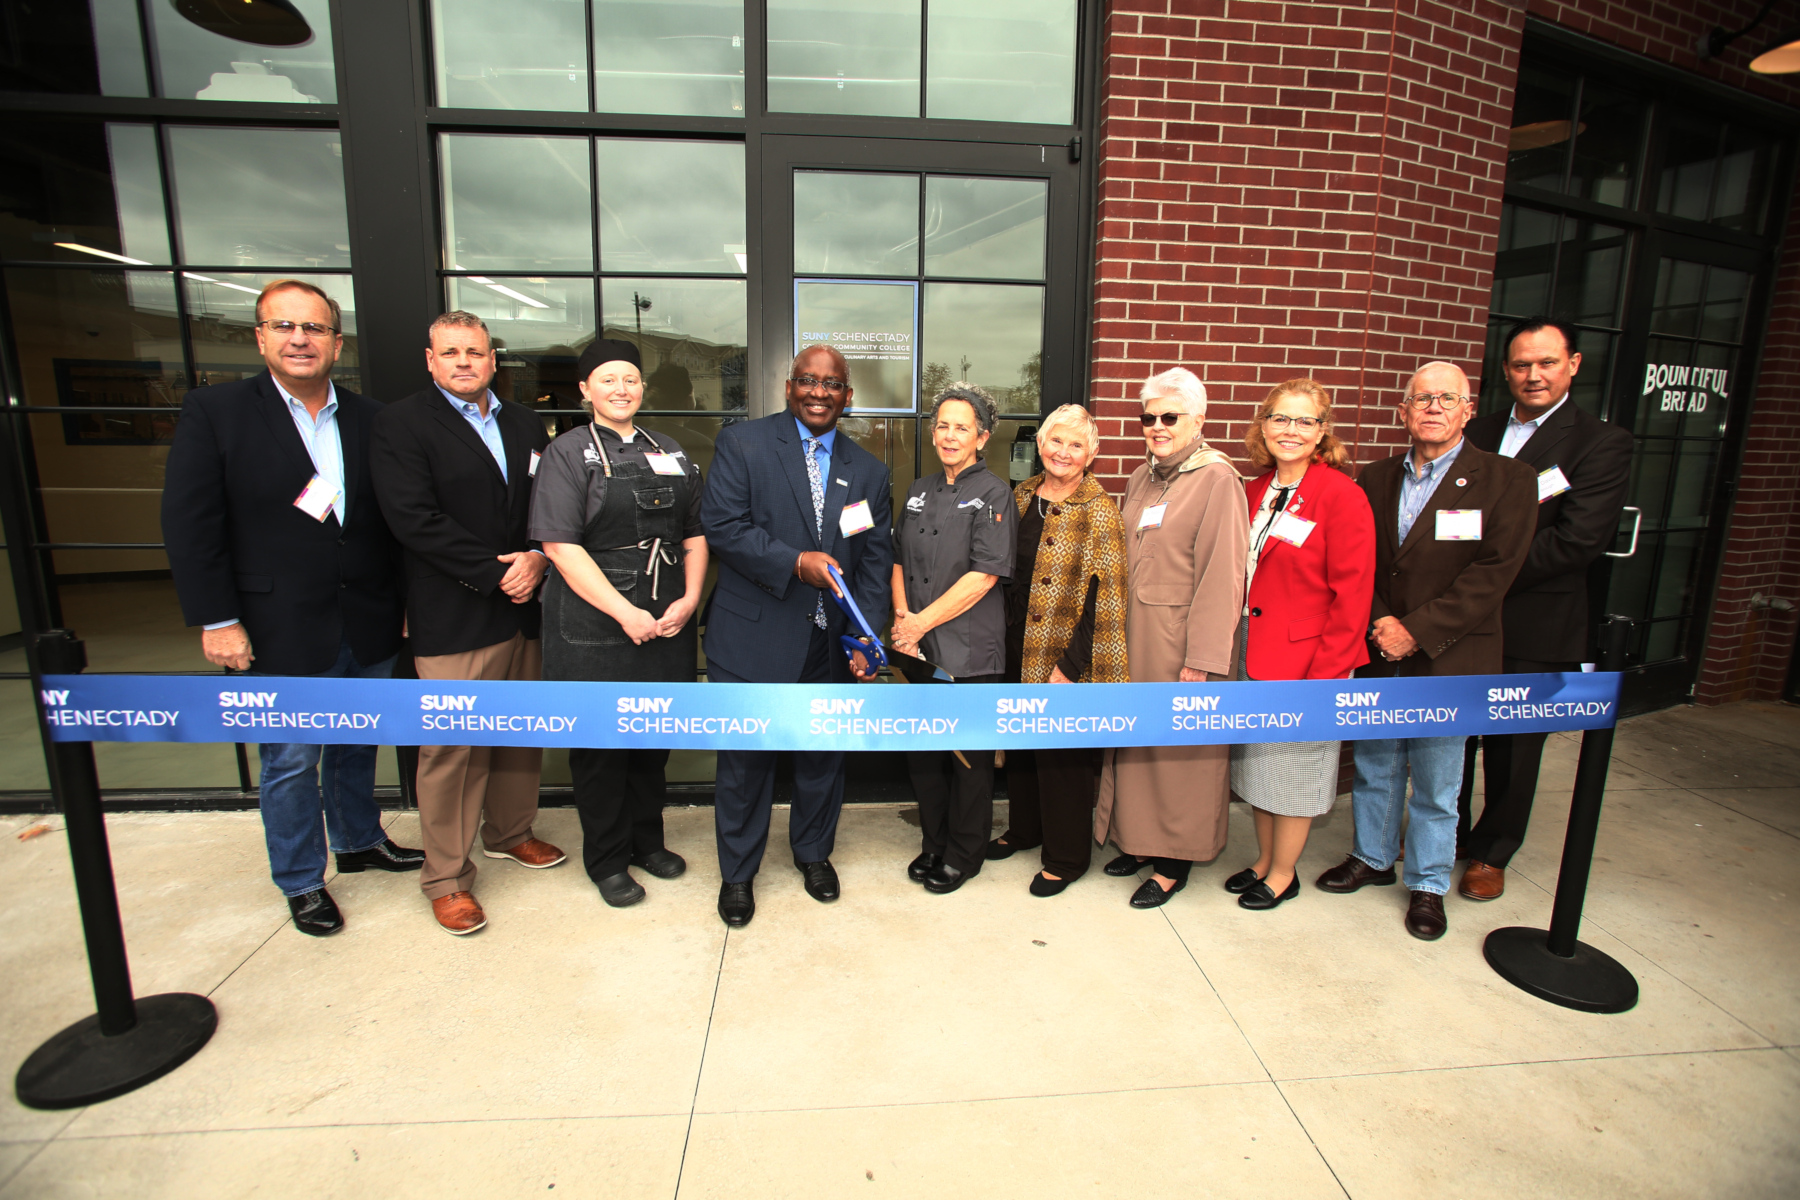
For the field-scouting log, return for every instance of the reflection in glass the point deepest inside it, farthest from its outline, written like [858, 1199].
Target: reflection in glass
[1659, 407]
[259, 198]
[873, 325]
[1524, 261]
[671, 206]
[53, 47]
[985, 228]
[1650, 463]
[1628, 594]
[527, 54]
[1743, 180]
[1675, 574]
[990, 334]
[892, 440]
[137, 191]
[848, 57]
[1676, 307]
[692, 333]
[1662, 641]
[1538, 144]
[1690, 148]
[1690, 499]
[222, 320]
[118, 47]
[196, 64]
[677, 57]
[696, 434]
[1590, 268]
[853, 224]
[78, 190]
[1605, 159]
[1002, 60]
[1589, 388]
[1723, 311]
[1707, 418]
[516, 203]
[997, 455]
[539, 326]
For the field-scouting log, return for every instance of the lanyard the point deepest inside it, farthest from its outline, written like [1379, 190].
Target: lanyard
[1281, 499]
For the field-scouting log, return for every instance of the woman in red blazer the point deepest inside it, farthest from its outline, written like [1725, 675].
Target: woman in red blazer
[1311, 577]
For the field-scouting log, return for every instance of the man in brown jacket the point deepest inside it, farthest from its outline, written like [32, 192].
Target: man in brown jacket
[1452, 526]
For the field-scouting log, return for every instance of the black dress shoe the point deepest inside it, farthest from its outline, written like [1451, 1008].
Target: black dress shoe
[316, 913]
[1041, 886]
[621, 890]
[1425, 917]
[1005, 847]
[925, 864]
[385, 857]
[820, 878]
[1151, 895]
[1354, 874]
[1262, 897]
[1243, 881]
[1125, 864]
[944, 879]
[737, 904]
[664, 864]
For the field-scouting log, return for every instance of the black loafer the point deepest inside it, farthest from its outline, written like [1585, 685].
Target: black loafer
[820, 878]
[944, 879]
[737, 904]
[1125, 864]
[621, 890]
[1004, 847]
[1243, 881]
[316, 913]
[1261, 897]
[1151, 895]
[1041, 886]
[664, 864]
[925, 864]
[385, 857]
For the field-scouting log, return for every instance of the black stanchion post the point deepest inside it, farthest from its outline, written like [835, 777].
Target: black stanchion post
[1557, 966]
[126, 1043]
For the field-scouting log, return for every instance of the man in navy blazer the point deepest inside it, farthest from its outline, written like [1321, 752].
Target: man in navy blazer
[279, 550]
[787, 496]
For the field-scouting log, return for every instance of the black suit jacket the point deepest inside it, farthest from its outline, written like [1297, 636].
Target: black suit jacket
[239, 549]
[454, 515]
[1546, 610]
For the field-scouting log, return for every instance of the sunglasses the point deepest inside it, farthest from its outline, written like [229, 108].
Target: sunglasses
[1169, 419]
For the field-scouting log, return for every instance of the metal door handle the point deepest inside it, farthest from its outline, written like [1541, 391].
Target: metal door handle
[1637, 523]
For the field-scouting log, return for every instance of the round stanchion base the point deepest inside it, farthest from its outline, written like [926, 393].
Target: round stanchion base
[81, 1065]
[1590, 981]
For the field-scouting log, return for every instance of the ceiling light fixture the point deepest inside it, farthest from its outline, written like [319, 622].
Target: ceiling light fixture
[506, 291]
[1779, 57]
[259, 22]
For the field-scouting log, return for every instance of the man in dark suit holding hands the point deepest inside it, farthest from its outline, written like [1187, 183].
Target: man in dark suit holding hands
[279, 550]
[789, 495]
[1583, 468]
[454, 469]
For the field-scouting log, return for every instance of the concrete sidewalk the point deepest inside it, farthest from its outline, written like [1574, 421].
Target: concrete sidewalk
[898, 1043]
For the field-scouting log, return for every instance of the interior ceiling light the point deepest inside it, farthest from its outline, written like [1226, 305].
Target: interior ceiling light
[1539, 134]
[259, 22]
[138, 262]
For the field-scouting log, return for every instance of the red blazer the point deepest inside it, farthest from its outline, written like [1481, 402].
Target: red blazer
[1309, 604]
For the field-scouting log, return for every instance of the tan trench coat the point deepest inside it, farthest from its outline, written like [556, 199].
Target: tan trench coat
[1186, 597]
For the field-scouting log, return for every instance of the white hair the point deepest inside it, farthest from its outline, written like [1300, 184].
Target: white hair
[1078, 419]
[1179, 382]
[1438, 365]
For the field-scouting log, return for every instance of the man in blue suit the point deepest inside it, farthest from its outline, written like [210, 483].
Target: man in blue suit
[787, 497]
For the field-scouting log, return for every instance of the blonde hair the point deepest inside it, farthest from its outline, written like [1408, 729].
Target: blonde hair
[1329, 451]
[1077, 417]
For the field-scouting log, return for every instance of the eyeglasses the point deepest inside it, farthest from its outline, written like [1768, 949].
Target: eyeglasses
[309, 328]
[1445, 400]
[1282, 421]
[1150, 419]
[807, 383]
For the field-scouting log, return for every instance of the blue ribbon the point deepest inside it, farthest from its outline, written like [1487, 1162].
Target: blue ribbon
[783, 716]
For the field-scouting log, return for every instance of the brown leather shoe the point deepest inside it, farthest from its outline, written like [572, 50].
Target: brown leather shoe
[529, 853]
[458, 913]
[1425, 917]
[1353, 873]
[1482, 882]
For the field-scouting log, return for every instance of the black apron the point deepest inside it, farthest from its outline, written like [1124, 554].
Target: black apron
[635, 539]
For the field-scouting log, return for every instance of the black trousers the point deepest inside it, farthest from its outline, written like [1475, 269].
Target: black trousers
[744, 788]
[956, 803]
[1509, 776]
[619, 798]
[1052, 803]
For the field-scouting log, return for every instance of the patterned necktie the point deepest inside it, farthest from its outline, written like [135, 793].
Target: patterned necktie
[816, 477]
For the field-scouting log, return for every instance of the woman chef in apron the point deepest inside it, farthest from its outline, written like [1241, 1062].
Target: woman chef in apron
[618, 512]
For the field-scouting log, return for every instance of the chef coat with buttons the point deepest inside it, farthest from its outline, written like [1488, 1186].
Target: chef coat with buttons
[944, 531]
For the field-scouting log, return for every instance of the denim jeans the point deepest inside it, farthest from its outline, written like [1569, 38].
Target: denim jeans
[300, 781]
[1380, 802]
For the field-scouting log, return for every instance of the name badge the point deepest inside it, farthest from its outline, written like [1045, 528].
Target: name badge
[662, 464]
[1151, 517]
[1459, 525]
[1291, 529]
[1551, 483]
[534, 462]
[316, 498]
[855, 519]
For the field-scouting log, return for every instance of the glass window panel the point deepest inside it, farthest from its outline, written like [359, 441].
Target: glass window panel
[201, 60]
[259, 198]
[78, 190]
[1721, 317]
[1675, 574]
[891, 439]
[1589, 390]
[1660, 404]
[1628, 594]
[23, 755]
[1524, 261]
[1690, 144]
[985, 228]
[516, 203]
[1709, 396]
[1651, 463]
[1538, 145]
[679, 57]
[696, 434]
[1002, 60]
[998, 453]
[874, 326]
[671, 206]
[693, 335]
[539, 326]
[1690, 500]
[1607, 142]
[1676, 308]
[1589, 270]
[57, 46]
[850, 57]
[119, 47]
[989, 334]
[1662, 641]
[1493, 392]
[851, 224]
[1741, 198]
[527, 54]
[222, 320]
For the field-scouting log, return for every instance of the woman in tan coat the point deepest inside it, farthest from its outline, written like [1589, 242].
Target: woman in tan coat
[1187, 530]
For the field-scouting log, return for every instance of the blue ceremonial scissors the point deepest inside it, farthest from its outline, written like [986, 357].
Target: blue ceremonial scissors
[866, 647]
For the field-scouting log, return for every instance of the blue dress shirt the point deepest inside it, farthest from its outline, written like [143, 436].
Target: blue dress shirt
[1417, 485]
[486, 428]
[826, 439]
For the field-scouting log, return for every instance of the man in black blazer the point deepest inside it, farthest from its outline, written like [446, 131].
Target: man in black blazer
[1583, 467]
[454, 468]
[774, 521]
[279, 550]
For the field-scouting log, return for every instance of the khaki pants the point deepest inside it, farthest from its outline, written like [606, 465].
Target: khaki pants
[457, 784]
